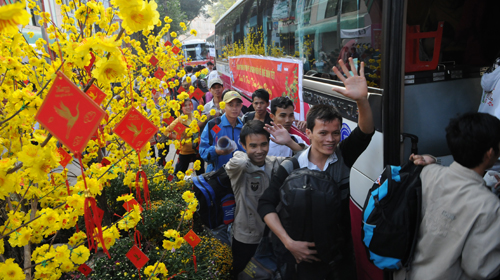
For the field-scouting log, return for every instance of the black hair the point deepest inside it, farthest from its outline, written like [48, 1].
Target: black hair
[188, 68]
[322, 112]
[253, 127]
[262, 94]
[280, 102]
[470, 136]
[210, 63]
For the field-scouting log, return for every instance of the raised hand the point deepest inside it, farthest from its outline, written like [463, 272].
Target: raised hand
[279, 133]
[355, 85]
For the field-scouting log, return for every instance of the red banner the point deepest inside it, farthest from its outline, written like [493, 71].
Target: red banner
[279, 76]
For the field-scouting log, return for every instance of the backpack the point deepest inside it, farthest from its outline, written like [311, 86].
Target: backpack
[215, 197]
[310, 209]
[392, 215]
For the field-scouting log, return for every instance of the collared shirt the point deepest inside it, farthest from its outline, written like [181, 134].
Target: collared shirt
[283, 150]
[304, 161]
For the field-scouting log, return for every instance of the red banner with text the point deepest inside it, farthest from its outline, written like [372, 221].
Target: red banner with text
[279, 76]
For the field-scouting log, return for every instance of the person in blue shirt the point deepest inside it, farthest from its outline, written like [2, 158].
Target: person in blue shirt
[230, 125]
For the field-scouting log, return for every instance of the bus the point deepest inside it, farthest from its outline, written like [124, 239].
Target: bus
[423, 62]
[196, 52]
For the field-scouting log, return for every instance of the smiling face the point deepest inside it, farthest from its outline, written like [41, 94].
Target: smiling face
[187, 107]
[284, 117]
[325, 136]
[260, 105]
[257, 146]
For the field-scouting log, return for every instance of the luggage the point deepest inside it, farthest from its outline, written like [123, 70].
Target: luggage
[215, 197]
[392, 215]
[263, 265]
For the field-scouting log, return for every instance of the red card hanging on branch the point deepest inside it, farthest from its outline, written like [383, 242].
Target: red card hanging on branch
[176, 50]
[153, 91]
[65, 157]
[153, 60]
[159, 74]
[96, 94]
[135, 129]
[170, 177]
[216, 129]
[137, 257]
[129, 205]
[69, 114]
[169, 120]
[179, 128]
[192, 239]
[85, 269]
[198, 94]
[91, 63]
[168, 43]
[181, 89]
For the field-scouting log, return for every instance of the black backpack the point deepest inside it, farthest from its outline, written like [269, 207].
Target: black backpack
[215, 197]
[392, 215]
[310, 207]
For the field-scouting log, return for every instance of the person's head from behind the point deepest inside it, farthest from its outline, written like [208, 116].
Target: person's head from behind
[188, 69]
[324, 123]
[474, 139]
[260, 101]
[233, 104]
[282, 112]
[255, 139]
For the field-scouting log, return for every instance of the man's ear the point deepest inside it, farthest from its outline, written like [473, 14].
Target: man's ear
[490, 156]
[308, 133]
[272, 116]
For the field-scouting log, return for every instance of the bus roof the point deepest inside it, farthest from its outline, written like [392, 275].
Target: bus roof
[238, 2]
[194, 41]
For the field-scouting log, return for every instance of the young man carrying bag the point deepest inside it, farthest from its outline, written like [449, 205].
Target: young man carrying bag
[315, 243]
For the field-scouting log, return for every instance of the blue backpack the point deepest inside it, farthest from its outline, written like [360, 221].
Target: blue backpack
[215, 198]
[392, 215]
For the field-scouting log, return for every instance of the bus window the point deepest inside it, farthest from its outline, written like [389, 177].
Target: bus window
[318, 32]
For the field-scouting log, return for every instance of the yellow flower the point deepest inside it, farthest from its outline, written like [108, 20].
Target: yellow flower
[188, 196]
[173, 34]
[12, 15]
[21, 237]
[11, 270]
[109, 70]
[141, 17]
[193, 32]
[80, 255]
[212, 112]
[222, 105]
[200, 107]
[2, 248]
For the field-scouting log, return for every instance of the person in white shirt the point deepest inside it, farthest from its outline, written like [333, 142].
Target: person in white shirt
[283, 116]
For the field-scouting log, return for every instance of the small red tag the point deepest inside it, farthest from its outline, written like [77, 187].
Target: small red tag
[129, 205]
[176, 50]
[69, 114]
[91, 63]
[198, 94]
[192, 238]
[105, 162]
[180, 89]
[153, 91]
[65, 157]
[135, 129]
[169, 120]
[167, 43]
[153, 60]
[179, 128]
[137, 257]
[85, 269]
[216, 129]
[96, 94]
[159, 74]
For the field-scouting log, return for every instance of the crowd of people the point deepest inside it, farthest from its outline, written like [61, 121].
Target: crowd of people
[272, 172]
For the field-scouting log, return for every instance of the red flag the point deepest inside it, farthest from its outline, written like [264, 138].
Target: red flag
[65, 157]
[85, 269]
[96, 94]
[153, 60]
[129, 205]
[192, 238]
